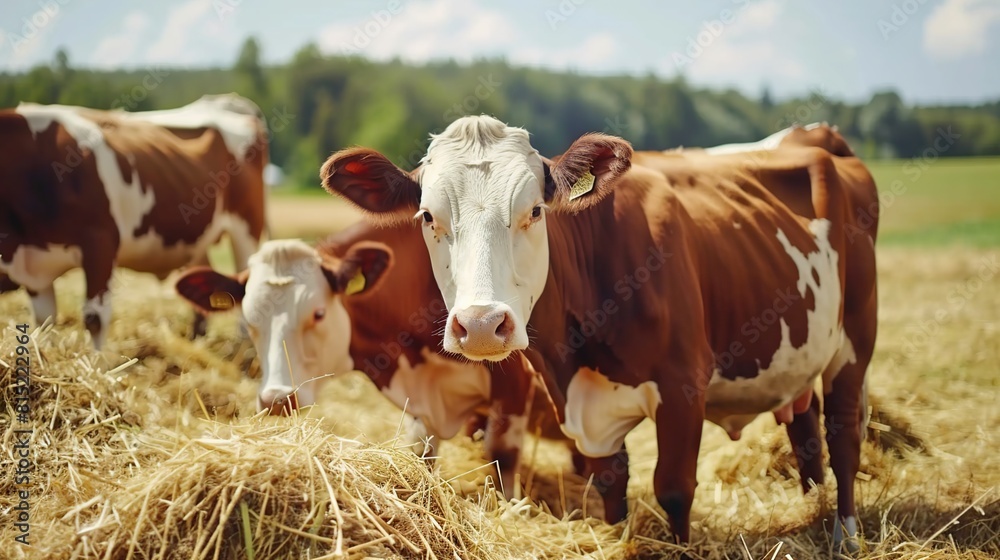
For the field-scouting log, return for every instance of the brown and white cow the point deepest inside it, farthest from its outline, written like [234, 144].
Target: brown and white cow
[150, 191]
[818, 134]
[678, 287]
[365, 299]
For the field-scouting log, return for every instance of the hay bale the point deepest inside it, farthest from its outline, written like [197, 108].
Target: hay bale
[264, 490]
[79, 423]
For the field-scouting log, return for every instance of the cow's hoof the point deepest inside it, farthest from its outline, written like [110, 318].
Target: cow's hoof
[510, 483]
[845, 536]
[418, 440]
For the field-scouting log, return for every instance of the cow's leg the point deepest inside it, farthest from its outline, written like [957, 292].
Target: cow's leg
[844, 440]
[843, 415]
[43, 304]
[505, 432]
[579, 459]
[98, 263]
[475, 423]
[804, 435]
[610, 478]
[679, 420]
[418, 438]
[511, 391]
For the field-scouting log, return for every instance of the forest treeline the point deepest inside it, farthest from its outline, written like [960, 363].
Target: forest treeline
[316, 104]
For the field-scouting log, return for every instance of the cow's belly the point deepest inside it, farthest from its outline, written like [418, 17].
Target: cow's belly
[442, 393]
[149, 253]
[733, 403]
[36, 268]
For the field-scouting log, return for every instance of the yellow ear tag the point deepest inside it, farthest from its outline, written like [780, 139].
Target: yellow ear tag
[583, 186]
[356, 284]
[221, 300]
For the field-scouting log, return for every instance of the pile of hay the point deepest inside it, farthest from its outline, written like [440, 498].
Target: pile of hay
[130, 463]
[152, 449]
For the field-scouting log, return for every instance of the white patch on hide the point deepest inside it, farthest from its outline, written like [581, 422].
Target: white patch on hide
[600, 413]
[442, 393]
[792, 370]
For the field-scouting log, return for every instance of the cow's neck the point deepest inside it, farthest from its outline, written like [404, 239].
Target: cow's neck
[384, 327]
[585, 262]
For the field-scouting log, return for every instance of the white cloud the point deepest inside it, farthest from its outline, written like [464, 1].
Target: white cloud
[758, 15]
[597, 51]
[959, 28]
[173, 45]
[422, 31]
[743, 49]
[116, 49]
[21, 45]
[459, 29]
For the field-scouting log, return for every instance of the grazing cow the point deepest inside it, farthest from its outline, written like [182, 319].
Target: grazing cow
[365, 299]
[678, 287]
[820, 135]
[146, 191]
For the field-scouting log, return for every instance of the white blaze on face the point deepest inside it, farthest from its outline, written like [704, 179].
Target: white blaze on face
[483, 187]
[289, 305]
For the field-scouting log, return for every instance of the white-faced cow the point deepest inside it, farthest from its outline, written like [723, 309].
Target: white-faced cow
[365, 299]
[678, 287]
[147, 191]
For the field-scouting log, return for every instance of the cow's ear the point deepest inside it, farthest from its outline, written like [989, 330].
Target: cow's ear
[372, 183]
[360, 269]
[211, 291]
[586, 172]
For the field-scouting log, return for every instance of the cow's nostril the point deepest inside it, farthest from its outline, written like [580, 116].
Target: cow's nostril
[458, 329]
[506, 327]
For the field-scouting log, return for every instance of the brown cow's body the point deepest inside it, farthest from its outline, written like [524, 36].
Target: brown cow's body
[711, 310]
[100, 189]
[677, 286]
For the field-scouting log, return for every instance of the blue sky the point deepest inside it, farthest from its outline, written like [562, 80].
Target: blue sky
[929, 50]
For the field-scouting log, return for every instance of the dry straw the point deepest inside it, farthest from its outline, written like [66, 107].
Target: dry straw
[152, 450]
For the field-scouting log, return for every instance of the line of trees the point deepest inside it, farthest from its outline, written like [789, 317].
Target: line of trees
[330, 102]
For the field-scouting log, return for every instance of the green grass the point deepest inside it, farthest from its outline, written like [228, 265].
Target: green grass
[948, 201]
[954, 201]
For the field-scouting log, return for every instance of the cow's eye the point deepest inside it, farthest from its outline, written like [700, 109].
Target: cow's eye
[536, 212]
[427, 217]
[319, 314]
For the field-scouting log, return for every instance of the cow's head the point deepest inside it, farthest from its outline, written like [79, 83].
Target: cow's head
[482, 194]
[291, 298]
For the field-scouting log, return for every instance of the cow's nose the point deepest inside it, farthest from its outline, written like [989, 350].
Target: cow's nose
[483, 330]
[278, 401]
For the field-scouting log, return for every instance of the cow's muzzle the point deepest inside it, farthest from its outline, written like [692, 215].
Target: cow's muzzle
[482, 331]
[278, 401]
